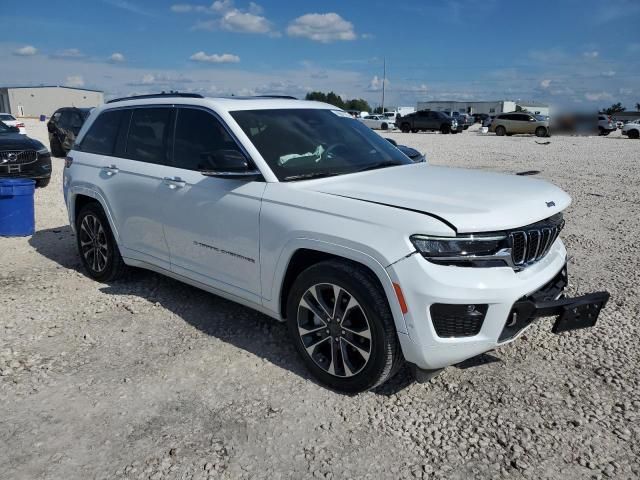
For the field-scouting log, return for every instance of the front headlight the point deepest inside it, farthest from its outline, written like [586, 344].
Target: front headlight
[460, 248]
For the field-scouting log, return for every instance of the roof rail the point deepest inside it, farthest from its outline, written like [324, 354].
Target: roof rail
[287, 97]
[157, 95]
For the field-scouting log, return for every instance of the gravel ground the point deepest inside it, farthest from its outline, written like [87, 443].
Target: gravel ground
[150, 378]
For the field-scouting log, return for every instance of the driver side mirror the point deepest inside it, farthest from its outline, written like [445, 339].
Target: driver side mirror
[230, 164]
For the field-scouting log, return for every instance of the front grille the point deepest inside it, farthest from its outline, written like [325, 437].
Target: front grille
[17, 156]
[531, 243]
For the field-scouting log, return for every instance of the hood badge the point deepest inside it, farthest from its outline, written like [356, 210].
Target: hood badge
[551, 204]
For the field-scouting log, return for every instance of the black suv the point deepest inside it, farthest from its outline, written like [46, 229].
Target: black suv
[428, 120]
[63, 127]
[23, 157]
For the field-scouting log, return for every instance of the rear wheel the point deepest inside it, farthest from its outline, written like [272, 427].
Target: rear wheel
[541, 132]
[634, 134]
[405, 128]
[384, 126]
[341, 325]
[501, 131]
[97, 246]
[42, 182]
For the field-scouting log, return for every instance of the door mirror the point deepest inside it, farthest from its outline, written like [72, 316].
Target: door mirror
[229, 164]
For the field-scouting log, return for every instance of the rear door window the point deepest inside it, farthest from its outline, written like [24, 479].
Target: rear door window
[199, 140]
[148, 135]
[101, 137]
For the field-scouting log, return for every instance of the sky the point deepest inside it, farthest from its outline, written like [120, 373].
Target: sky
[580, 53]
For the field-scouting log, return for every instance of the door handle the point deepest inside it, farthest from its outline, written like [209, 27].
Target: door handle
[174, 183]
[110, 170]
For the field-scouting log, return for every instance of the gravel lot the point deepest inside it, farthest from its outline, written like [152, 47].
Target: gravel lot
[150, 378]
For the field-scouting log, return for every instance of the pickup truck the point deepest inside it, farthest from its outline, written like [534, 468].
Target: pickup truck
[428, 120]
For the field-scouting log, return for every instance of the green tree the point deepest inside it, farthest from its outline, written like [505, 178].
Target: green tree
[357, 104]
[334, 99]
[316, 96]
[615, 108]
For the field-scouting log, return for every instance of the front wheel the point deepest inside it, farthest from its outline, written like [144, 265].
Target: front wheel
[445, 129]
[634, 134]
[97, 246]
[384, 126]
[405, 128]
[501, 131]
[42, 182]
[541, 132]
[342, 326]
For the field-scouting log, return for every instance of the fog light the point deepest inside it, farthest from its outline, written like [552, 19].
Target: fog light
[457, 320]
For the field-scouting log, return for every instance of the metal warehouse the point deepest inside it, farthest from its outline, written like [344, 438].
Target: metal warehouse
[44, 100]
[489, 107]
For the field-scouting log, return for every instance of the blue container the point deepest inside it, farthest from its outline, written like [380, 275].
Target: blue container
[43, 118]
[17, 217]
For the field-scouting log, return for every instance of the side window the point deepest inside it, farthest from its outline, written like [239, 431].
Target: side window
[101, 137]
[521, 117]
[200, 138]
[148, 134]
[65, 119]
[75, 120]
[56, 117]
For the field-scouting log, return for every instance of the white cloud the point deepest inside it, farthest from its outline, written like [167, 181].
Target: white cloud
[148, 79]
[598, 96]
[74, 81]
[375, 84]
[591, 54]
[214, 58]
[69, 53]
[545, 83]
[26, 51]
[608, 73]
[321, 27]
[116, 57]
[230, 18]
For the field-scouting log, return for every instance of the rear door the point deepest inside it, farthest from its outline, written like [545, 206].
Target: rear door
[212, 224]
[130, 176]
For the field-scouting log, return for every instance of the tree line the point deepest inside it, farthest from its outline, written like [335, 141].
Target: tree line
[332, 98]
[617, 108]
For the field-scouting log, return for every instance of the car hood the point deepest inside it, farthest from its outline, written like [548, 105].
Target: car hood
[467, 200]
[17, 141]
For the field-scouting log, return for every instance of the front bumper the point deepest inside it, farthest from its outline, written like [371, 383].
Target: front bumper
[37, 169]
[496, 292]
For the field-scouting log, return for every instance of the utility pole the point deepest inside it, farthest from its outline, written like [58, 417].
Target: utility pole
[384, 80]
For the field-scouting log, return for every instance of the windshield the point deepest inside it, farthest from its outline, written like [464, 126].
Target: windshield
[6, 117]
[307, 143]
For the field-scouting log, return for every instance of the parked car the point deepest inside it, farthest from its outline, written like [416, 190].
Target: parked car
[301, 212]
[63, 127]
[378, 122]
[632, 129]
[519, 122]
[412, 153]
[619, 124]
[23, 157]
[12, 121]
[605, 125]
[429, 120]
[462, 118]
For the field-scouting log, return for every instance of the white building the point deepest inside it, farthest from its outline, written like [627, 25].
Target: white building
[490, 107]
[44, 100]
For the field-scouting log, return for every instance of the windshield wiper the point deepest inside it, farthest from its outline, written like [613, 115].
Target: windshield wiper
[374, 166]
[307, 176]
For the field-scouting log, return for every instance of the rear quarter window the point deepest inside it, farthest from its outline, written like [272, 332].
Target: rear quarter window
[101, 137]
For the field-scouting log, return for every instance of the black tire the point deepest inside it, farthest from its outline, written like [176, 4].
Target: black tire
[42, 182]
[384, 126]
[415, 130]
[56, 148]
[405, 128]
[384, 357]
[453, 132]
[445, 128]
[109, 266]
[501, 131]
[635, 134]
[541, 132]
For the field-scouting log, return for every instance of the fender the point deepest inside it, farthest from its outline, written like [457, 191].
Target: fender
[90, 192]
[341, 251]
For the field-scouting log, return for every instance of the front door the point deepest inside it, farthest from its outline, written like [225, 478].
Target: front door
[212, 224]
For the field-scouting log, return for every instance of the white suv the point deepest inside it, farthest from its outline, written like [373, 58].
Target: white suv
[299, 211]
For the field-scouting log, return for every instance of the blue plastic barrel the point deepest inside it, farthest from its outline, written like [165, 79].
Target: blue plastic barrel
[43, 118]
[17, 217]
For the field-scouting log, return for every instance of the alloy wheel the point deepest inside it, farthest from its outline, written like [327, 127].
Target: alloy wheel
[334, 330]
[93, 243]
